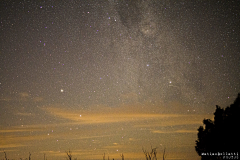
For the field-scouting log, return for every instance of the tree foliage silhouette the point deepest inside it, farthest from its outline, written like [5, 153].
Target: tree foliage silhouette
[222, 134]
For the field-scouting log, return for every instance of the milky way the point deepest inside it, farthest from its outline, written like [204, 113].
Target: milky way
[114, 76]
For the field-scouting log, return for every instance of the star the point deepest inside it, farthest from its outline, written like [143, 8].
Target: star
[119, 61]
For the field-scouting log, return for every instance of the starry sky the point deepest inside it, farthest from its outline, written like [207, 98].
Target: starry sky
[114, 76]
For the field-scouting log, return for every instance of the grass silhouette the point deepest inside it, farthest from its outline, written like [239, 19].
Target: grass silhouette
[148, 155]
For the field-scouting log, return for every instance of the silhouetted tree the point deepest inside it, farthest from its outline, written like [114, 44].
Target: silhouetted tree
[5, 155]
[150, 155]
[69, 154]
[121, 155]
[29, 156]
[104, 156]
[164, 156]
[222, 134]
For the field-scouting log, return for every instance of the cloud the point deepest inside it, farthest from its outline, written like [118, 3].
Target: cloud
[115, 146]
[37, 99]
[25, 114]
[107, 115]
[13, 141]
[4, 146]
[134, 116]
[188, 119]
[6, 99]
[133, 139]
[13, 137]
[108, 123]
[24, 95]
[85, 137]
[175, 131]
[12, 131]
[19, 136]
[186, 131]
[27, 128]
[54, 153]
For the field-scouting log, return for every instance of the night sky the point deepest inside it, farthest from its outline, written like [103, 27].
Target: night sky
[113, 76]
